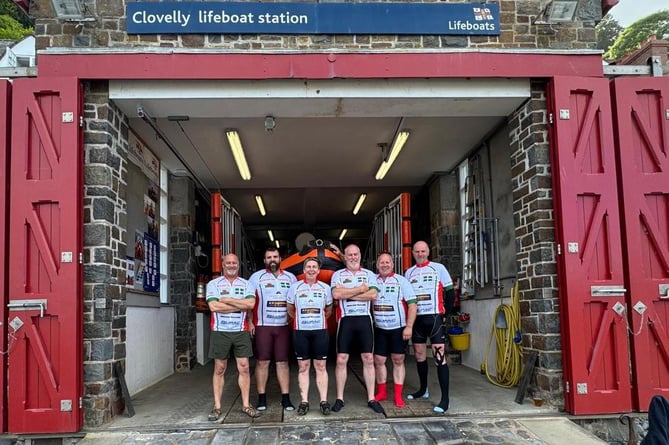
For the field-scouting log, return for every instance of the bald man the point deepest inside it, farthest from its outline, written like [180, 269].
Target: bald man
[230, 297]
[435, 296]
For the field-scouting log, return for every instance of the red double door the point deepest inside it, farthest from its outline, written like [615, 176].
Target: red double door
[610, 148]
[610, 142]
[41, 196]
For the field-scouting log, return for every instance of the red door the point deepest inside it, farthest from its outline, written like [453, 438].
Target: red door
[590, 265]
[642, 114]
[45, 274]
[5, 101]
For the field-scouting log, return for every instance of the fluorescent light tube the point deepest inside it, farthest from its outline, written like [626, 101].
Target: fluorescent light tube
[271, 235]
[398, 144]
[277, 244]
[261, 205]
[238, 154]
[358, 204]
[342, 234]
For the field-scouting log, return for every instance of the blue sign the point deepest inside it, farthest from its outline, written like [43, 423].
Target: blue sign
[312, 18]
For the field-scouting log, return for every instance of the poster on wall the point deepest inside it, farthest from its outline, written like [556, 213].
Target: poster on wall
[140, 155]
[139, 262]
[130, 271]
[150, 212]
[151, 280]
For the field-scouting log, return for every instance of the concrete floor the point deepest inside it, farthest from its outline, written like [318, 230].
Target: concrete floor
[182, 401]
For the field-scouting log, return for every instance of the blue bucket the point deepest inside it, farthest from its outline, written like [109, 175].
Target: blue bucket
[455, 330]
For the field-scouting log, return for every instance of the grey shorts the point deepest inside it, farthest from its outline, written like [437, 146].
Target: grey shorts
[221, 343]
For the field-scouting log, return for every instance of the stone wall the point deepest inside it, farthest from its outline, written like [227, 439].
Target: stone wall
[105, 146]
[535, 241]
[182, 268]
[517, 17]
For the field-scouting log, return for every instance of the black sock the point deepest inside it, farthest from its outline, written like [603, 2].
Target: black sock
[422, 375]
[444, 375]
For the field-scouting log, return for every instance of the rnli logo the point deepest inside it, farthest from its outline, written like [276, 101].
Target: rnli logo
[482, 14]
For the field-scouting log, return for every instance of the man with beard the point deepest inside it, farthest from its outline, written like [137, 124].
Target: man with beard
[270, 326]
[354, 288]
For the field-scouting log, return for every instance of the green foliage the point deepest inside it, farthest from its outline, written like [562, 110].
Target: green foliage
[637, 33]
[8, 7]
[10, 29]
[607, 31]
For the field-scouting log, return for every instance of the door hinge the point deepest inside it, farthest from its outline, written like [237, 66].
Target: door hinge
[550, 118]
[81, 122]
[81, 257]
[81, 402]
[559, 249]
[566, 387]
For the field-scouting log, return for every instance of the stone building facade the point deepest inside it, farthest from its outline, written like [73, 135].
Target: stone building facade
[106, 135]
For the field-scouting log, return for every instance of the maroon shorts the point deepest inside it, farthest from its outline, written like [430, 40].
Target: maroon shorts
[273, 343]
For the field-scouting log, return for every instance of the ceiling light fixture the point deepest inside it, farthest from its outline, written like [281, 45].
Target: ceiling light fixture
[238, 154]
[397, 145]
[361, 200]
[342, 234]
[261, 205]
[277, 244]
[271, 235]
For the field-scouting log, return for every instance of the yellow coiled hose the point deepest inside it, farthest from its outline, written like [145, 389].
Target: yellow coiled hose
[509, 359]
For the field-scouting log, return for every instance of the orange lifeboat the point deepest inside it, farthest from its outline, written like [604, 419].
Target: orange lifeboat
[325, 251]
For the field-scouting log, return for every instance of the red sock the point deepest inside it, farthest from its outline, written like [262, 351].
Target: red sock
[399, 401]
[381, 392]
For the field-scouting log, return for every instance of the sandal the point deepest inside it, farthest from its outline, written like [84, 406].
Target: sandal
[325, 408]
[214, 415]
[303, 409]
[251, 411]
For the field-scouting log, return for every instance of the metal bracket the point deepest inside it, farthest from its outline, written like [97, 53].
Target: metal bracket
[640, 308]
[619, 308]
[28, 305]
[607, 291]
[663, 290]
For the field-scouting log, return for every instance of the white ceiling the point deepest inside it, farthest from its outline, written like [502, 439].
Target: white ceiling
[324, 149]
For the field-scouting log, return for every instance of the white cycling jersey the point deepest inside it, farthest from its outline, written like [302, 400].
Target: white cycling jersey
[310, 301]
[390, 307]
[347, 279]
[222, 287]
[429, 280]
[270, 292]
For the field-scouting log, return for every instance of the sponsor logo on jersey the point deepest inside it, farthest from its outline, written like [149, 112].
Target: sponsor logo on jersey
[276, 304]
[310, 310]
[383, 308]
[422, 297]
